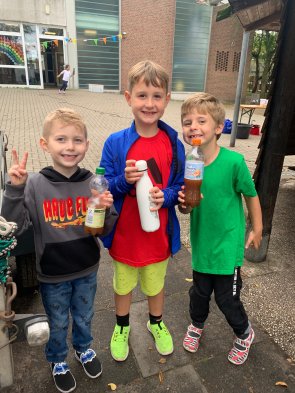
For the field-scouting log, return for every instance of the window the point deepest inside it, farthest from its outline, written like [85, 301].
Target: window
[191, 41]
[12, 76]
[11, 50]
[98, 61]
[50, 31]
[236, 62]
[13, 27]
[221, 63]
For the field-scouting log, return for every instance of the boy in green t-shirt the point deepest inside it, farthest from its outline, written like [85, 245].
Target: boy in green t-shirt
[217, 227]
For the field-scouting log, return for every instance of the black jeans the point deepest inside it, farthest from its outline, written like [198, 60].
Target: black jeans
[227, 290]
[64, 85]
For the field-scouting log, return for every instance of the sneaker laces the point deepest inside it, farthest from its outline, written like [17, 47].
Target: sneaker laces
[160, 326]
[121, 336]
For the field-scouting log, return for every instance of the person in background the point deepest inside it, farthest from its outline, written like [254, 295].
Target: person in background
[217, 227]
[66, 75]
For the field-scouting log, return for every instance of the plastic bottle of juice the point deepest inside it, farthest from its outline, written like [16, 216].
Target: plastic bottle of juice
[193, 174]
[94, 221]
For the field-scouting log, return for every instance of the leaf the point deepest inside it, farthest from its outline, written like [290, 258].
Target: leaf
[162, 360]
[189, 279]
[112, 386]
[281, 384]
[161, 377]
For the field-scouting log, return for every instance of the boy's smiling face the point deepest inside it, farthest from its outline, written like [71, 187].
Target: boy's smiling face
[67, 145]
[148, 104]
[201, 126]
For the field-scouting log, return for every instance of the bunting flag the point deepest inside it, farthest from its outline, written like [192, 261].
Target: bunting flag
[67, 40]
[113, 38]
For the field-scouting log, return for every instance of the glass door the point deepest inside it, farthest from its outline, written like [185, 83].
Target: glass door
[52, 60]
[32, 55]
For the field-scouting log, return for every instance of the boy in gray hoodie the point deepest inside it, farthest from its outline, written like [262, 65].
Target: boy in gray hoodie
[54, 201]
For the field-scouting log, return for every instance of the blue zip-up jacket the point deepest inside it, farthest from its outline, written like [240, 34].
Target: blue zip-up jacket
[113, 159]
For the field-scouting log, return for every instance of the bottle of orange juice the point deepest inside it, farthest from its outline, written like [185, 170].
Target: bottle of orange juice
[193, 174]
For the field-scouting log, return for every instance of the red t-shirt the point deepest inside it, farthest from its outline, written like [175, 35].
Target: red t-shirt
[131, 244]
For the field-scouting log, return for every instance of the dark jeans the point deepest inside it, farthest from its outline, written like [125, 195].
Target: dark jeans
[64, 85]
[74, 297]
[227, 290]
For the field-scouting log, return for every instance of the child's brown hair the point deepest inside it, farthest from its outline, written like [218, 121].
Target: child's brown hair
[66, 116]
[152, 73]
[204, 103]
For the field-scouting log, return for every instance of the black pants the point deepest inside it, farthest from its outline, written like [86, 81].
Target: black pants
[227, 290]
[64, 85]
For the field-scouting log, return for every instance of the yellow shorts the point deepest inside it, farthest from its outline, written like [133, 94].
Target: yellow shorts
[151, 277]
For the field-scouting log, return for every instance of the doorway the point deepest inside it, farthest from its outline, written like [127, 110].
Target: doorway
[52, 60]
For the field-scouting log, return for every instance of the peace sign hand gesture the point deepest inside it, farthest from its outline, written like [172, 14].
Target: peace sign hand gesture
[18, 173]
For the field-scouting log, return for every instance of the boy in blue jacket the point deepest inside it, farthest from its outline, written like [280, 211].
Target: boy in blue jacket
[136, 253]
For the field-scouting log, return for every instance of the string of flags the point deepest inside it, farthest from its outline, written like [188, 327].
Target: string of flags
[113, 38]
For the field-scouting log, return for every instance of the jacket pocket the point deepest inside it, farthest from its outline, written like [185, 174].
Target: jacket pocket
[69, 257]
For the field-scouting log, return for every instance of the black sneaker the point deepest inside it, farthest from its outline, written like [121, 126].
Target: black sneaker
[90, 363]
[63, 378]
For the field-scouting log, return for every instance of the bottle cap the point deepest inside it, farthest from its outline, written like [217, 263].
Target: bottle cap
[196, 142]
[141, 165]
[100, 171]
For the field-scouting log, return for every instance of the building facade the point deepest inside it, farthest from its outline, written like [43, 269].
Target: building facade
[102, 40]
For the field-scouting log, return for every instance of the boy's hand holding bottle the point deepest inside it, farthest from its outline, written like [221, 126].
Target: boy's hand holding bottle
[132, 175]
[100, 200]
[18, 173]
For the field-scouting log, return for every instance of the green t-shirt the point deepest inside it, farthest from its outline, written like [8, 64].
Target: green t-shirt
[218, 223]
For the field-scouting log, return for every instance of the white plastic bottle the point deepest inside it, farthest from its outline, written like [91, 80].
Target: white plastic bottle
[94, 221]
[150, 221]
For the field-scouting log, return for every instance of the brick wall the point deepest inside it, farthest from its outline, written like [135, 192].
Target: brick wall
[225, 48]
[149, 25]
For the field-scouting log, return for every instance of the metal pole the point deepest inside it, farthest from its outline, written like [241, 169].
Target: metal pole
[244, 52]
[6, 360]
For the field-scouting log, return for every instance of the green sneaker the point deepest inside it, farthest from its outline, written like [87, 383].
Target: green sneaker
[119, 343]
[163, 339]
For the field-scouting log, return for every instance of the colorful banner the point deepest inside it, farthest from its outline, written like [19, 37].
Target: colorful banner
[113, 38]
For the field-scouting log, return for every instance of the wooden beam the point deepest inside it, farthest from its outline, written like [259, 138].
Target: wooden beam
[239, 5]
[278, 126]
[258, 24]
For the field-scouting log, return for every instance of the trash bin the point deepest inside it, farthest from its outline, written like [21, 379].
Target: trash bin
[243, 130]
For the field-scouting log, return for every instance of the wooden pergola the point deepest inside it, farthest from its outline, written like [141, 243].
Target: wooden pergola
[278, 132]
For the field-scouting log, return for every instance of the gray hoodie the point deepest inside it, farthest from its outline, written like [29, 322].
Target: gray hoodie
[56, 207]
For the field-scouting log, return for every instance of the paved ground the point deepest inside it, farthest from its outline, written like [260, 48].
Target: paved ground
[268, 287]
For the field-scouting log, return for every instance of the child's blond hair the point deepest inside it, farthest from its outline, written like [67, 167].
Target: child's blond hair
[66, 116]
[204, 103]
[152, 73]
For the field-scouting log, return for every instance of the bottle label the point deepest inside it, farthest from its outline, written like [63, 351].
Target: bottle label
[95, 217]
[194, 170]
